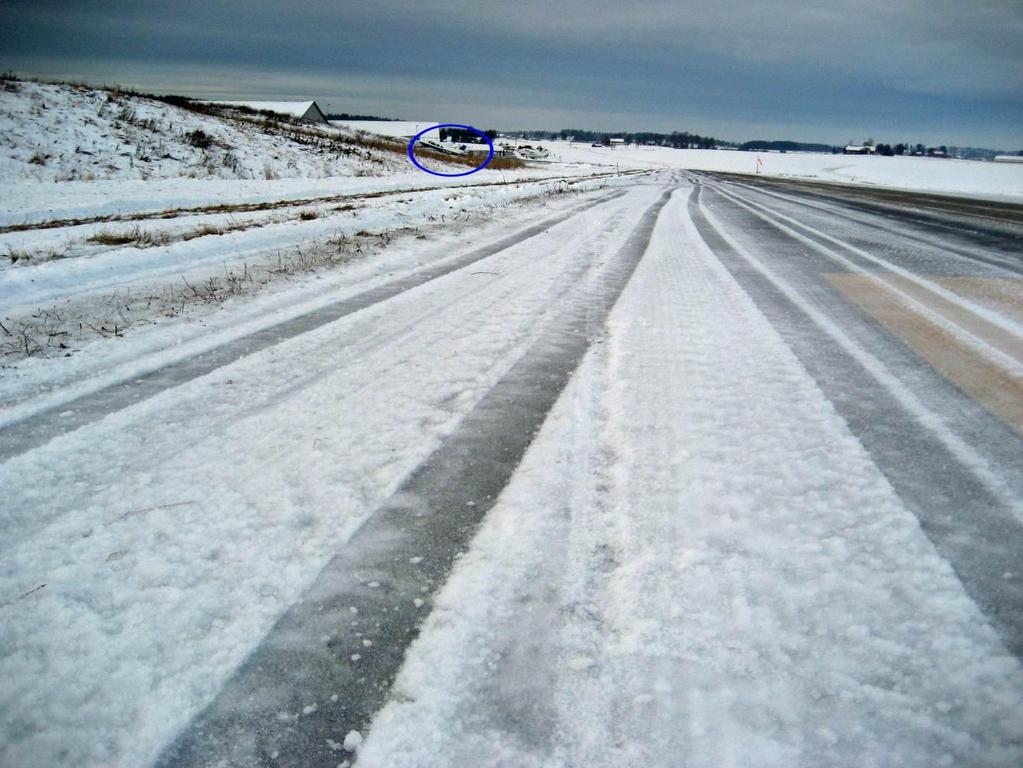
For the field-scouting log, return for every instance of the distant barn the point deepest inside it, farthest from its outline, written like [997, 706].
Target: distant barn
[857, 150]
[306, 111]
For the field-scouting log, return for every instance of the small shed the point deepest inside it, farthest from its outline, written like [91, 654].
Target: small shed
[306, 111]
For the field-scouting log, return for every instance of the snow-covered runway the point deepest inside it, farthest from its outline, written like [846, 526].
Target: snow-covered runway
[772, 518]
[700, 564]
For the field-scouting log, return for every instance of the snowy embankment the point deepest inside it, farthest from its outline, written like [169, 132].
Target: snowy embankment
[69, 152]
[969, 178]
[42, 202]
[698, 564]
[115, 216]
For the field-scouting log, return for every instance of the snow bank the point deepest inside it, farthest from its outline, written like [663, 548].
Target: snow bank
[57, 132]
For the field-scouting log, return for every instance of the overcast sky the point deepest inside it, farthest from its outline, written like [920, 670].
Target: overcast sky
[894, 70]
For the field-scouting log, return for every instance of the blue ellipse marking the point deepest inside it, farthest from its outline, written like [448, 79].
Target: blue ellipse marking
[412, 144]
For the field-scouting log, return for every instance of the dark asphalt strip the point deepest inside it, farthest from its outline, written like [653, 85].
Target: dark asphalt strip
[964, 224]
[815, 225]
[1010, 262]
[340, 647]
[971, 528]
[914, 203]
[42, 427]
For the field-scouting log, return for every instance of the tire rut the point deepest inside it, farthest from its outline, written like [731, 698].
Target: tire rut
[43, 426]
[378, 588]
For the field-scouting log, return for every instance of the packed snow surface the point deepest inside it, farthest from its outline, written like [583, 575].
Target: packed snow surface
[171, 534]
[698, 564]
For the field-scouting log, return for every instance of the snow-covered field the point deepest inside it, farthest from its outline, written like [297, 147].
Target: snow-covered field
[957, 177]
[970, 178]
[393, 128]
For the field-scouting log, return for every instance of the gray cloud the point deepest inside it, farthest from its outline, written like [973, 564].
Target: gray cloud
[913, 69]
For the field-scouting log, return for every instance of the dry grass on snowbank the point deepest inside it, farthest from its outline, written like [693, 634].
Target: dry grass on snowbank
[312, 134]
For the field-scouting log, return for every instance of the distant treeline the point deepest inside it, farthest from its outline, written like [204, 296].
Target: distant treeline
[888, 150]
[686, 140]
[676, 139]
[787, 146]
[978, 153]
[921, 150]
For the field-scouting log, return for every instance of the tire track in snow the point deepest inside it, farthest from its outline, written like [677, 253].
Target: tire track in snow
[380, 585]
[812, 236]
[834, 207]
[50, 422]
[969, 512]
[976, 347]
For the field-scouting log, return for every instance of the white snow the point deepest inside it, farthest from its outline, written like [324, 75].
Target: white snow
[69, 152]
[959, 177]
[353, 740]
[698, 564]
[399, 129]
[66, 133]
[224, 497]
[288, 108]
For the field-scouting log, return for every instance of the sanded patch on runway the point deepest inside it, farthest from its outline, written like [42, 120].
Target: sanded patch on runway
[998, 390]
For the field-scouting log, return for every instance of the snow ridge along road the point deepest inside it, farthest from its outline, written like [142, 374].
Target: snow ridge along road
[381, 584]
[771, 519]
[65, 416]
